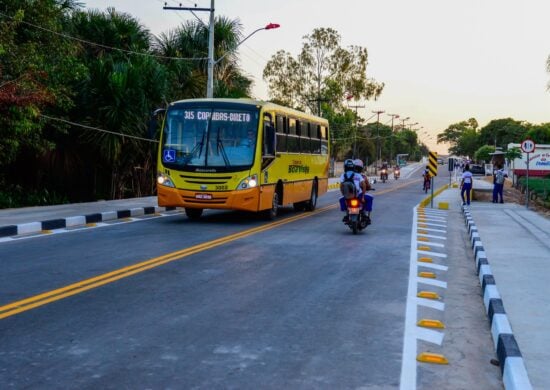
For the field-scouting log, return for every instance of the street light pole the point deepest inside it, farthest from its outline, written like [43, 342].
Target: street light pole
[210, 82]
[393, 116]
[356, 128]
[379, 152]
[211, 61]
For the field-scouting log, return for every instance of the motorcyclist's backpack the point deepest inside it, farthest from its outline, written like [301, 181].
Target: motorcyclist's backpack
[499, 177]
[348, 186]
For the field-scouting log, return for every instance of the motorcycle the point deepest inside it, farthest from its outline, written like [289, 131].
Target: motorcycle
[427, 183]
[396, 173]
[357, 218]
[384, 175]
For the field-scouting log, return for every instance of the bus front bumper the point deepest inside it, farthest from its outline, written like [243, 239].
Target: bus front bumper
[246, 200]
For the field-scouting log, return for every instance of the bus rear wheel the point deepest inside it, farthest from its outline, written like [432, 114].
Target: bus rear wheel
[193, 213]
[312, 202]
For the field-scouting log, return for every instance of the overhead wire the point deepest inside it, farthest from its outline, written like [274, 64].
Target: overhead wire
[105, 46]
[97, 129]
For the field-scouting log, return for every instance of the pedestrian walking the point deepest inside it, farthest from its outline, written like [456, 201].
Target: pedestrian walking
[466, 185]
[498, 183]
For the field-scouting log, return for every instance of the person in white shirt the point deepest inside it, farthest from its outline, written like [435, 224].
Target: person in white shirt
[350, 176]
[466, 185]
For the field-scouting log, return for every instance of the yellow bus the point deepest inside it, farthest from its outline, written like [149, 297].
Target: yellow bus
[241, 154]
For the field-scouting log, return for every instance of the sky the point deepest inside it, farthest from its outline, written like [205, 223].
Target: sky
[442, 61]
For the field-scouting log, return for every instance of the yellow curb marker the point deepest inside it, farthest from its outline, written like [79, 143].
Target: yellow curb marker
[91, 224]
[425, 260]
[428, 295]
[426, 323]
[424, 248]
[425, 239]
[425, 274]
[46, 232]
[429, 357]
[443, 205]
[422, 232]
[422, 225]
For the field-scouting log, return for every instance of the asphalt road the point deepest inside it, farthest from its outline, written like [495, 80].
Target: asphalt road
[229, 301]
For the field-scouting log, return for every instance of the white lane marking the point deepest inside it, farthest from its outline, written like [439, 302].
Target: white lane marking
[429, 335]
[428, 216]
[431, 224]
[432, 282]
[430, 303]
[429, 243]
[429, 253]
[433, 230]
[408, 362]
[431, 236]
[435, 212]
[433, 266]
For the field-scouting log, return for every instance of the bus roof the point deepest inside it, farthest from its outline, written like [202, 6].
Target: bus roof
[267, 106]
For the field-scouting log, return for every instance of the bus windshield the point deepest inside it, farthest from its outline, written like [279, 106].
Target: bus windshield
[207, 137]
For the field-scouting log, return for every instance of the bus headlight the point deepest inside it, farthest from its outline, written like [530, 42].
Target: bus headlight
[249, 182]
[164, 180]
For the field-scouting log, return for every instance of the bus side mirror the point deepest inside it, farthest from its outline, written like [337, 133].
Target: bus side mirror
[269, 140]
[156, 116]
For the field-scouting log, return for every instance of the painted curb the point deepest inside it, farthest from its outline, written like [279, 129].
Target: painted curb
[512, 365]
[80, 220]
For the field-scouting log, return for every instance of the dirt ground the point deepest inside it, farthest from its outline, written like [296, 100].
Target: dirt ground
[513, 195]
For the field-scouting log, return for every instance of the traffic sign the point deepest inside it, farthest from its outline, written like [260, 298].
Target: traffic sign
[528, 146]
[432, 163]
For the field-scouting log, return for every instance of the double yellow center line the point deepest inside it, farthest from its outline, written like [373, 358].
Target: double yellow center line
[88, 284]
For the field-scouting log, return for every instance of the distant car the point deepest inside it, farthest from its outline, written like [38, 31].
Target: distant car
[477, 169]
[440, 161]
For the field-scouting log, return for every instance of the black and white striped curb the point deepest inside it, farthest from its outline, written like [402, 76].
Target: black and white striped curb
[514, 374]
[61, 223]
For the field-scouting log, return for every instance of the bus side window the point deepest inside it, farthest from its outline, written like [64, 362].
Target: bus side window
[305, 142]
[323, 134]
[292, 141]
[269, 137]
[280, 144]
[315, 141]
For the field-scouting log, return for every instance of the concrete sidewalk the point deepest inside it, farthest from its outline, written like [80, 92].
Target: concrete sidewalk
[511, 250]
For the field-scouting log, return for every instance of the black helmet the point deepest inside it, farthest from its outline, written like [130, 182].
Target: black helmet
[349, 165]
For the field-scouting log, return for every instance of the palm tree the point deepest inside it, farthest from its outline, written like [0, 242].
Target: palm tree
[190, 40]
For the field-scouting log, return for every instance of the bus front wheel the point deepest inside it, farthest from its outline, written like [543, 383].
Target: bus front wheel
[271, 213]
[193, 213]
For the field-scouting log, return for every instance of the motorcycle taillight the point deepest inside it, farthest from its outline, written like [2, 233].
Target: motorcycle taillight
[354, 203]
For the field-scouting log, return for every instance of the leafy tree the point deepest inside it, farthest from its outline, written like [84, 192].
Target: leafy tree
[37, 67]
[455, 132]
[501, 132]
[483, 153]
[323, 72]
[539, 133]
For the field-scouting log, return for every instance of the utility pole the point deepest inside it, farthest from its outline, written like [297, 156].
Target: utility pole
[379, 151]
[356, 128]
[403, 122]
[210, 81]
[393, 116]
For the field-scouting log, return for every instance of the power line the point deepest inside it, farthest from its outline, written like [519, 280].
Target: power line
[105, 46]
[98, 129]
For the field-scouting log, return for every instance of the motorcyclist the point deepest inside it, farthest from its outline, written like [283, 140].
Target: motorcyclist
[367, 198]
[360, 187]
[426, 176]
[384, 171]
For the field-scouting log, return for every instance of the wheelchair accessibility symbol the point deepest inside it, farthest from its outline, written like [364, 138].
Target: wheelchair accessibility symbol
[169, 155]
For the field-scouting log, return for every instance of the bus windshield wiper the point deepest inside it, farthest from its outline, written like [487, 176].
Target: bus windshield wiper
[198, 147]
[221, 149]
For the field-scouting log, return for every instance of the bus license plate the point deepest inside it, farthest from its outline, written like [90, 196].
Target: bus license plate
[203, 196]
